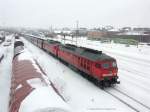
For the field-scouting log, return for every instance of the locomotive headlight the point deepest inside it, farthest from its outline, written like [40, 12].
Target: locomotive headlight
[118, 81]
[114, 64]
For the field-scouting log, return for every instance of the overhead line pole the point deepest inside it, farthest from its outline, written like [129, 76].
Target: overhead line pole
[77, 23]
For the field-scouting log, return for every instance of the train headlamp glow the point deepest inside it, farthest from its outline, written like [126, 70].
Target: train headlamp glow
[114, 64]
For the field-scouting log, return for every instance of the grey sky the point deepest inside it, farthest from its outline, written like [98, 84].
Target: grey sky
[64, 13]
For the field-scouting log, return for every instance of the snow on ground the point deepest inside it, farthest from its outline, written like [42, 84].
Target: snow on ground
[43, 99]
[134, 67]
[80, 94]
[5, 75]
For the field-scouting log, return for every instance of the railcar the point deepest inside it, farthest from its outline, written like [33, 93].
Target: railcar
[31, 90]
[51, 46]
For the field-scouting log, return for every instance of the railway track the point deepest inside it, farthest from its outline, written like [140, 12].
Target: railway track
[129, 101]
[133, 59]
[143, 81]
[141, 86]
[136, 72]
[128, 59]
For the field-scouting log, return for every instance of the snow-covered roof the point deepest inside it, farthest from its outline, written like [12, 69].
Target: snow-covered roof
[57, 31]
[132, 33]
[43, 99]
[31, 88]
[113, 30]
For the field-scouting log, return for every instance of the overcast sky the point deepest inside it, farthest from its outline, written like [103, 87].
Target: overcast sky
[65, 13]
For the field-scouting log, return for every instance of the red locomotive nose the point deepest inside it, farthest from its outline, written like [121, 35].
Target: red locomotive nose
[109, 69]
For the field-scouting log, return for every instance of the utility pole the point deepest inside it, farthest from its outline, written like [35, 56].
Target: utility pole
[51, 29]
[77, 32]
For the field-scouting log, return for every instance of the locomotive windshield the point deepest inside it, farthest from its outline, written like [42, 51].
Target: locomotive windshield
[105, 65]
[114, 64]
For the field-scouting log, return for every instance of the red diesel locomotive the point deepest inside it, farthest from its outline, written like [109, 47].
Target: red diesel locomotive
[51, 46]
[94, 63]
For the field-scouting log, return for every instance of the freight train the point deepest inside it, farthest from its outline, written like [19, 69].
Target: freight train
[95, 64]
[31, 91]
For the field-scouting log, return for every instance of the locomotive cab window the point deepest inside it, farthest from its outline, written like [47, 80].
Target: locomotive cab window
[97, 65]
[105, 65]
[114, 64]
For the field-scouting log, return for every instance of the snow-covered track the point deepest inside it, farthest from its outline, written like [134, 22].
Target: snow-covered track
[130, 57]
[131, 102]
[136, 72]
[51, 83]
[125, 59]
[126, 77]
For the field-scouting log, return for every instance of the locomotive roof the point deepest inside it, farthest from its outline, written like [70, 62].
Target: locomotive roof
[91, 54]
[53, 41]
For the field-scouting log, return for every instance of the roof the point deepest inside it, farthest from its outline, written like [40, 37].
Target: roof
[53, 41]
[33, 36]
[91, 54]
[43, 99]
[30, 86]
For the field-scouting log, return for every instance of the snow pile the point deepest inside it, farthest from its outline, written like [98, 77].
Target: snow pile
[43, 99]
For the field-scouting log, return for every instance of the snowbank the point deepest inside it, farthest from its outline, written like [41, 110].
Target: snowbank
[43, 99]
